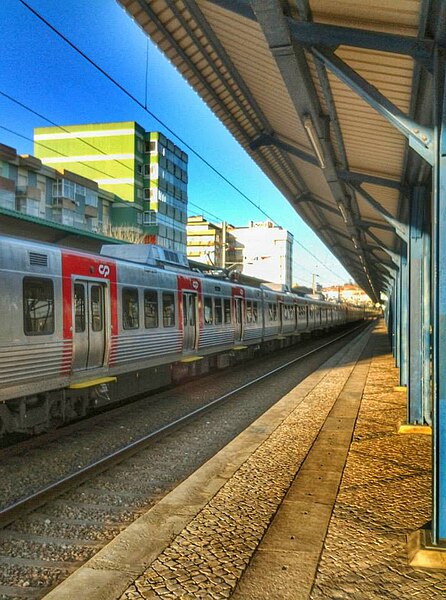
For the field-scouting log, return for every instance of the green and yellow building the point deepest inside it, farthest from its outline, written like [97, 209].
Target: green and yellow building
[144, 169]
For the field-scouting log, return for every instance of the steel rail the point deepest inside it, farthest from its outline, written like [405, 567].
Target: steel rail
[34, 501]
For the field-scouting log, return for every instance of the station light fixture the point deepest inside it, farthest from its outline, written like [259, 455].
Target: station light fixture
[314, 139]
[343, 213]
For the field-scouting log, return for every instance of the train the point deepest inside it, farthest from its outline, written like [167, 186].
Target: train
[81, 330]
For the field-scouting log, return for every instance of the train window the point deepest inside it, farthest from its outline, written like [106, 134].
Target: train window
[168, 309]
[207, 310]
[96, 308]
[79, 307]
[227, 310]
[150, 309]
[248, 311]
[218, 311]
[38, 306]
[255, 310]
[272, 311]
[130, 308]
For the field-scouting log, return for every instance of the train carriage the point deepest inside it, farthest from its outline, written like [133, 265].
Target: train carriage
[83, 329]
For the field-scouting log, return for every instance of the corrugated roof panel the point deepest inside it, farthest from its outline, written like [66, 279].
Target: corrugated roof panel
[259, 71]
[387, 197]
[397, 16]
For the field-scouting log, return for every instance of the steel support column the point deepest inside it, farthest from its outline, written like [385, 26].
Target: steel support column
[439, 302]
[397, 317]
[403, 320]
[416, 313]
[427, 320]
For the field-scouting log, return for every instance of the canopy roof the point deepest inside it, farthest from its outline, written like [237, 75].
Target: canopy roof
[328, 97]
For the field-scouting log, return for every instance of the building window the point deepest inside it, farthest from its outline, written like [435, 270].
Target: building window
[168, 309]
[38, 306]
[91, 198]
[130, 308]
[150, 309]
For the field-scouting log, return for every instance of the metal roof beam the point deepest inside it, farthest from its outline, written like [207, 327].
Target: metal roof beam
[354, 176]
[401, 229]
[265, 139]
[420, 137]
[242, 8]
[292, 64]
[390, 262]
[333, 230]
[369, 224]
[307, 33]
[307, 197]
[332, 36]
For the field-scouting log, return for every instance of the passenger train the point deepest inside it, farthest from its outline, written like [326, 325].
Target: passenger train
[80, 330]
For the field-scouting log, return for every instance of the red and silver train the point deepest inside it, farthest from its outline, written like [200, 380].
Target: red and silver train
[79, 330]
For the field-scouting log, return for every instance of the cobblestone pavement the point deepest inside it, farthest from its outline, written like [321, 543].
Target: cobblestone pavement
[209, 556]
[384, 495]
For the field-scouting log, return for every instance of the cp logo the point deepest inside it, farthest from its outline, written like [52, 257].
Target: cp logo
[104, 270]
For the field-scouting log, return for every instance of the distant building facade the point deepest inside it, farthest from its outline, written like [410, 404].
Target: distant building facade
[144, 169]
[267, 251]
[209, 243]
[28, 187]
[260, 250]
[348, 292]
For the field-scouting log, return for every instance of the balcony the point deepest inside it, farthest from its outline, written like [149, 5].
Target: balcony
[91, 212]
[63, 203]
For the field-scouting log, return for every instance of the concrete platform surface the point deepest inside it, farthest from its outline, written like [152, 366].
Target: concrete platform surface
[314, 500]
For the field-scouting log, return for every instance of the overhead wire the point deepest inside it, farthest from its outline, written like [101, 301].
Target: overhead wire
[158, 120]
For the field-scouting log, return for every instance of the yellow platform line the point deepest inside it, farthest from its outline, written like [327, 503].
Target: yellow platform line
[418, 429]
[91, 383]
[188, 359]
[239, 347]
[400, 388]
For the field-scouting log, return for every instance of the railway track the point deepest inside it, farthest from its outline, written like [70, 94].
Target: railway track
[49, 533]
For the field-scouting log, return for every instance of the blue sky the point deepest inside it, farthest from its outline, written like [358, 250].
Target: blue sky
[41, 71]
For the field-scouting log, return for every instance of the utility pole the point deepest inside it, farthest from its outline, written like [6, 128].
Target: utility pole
[313, 280]
[223, 250]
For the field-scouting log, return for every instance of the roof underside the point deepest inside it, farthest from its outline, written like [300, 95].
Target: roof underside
[265, 68]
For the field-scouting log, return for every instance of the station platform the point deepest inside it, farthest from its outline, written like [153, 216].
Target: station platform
[314, 500]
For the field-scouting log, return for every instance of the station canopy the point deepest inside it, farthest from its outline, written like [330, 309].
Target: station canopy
[331, 98]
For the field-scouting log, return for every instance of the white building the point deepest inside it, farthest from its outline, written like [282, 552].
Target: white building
[267, 251]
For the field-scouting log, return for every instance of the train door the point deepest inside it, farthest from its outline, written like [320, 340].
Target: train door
[189, 321]
[238, 310]
[89, 324]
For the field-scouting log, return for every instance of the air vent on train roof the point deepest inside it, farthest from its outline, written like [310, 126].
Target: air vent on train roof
[37, 259]
[148, 254]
